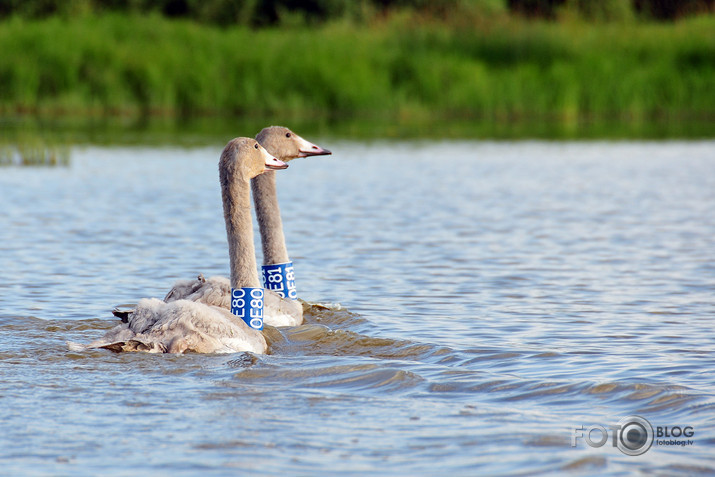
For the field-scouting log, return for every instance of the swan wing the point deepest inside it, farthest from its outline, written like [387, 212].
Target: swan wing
[215, 291]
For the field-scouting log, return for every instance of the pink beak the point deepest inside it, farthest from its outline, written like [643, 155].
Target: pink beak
[271, 163]
[307, 149]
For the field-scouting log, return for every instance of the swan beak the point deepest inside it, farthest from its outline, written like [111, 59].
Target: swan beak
[271, 163]
[307, 148]
[275, 165]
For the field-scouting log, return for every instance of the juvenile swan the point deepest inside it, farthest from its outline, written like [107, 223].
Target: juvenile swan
[286, 146]
[183, 325]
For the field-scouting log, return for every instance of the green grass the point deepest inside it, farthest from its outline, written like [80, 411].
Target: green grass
[499, 68]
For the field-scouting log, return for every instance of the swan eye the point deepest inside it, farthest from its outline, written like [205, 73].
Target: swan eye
[287, 134]
[256, 145]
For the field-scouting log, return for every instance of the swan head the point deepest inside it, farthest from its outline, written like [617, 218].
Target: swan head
[245, 157]
[287, 145]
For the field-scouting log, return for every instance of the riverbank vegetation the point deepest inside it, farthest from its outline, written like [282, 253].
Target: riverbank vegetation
[479, 61]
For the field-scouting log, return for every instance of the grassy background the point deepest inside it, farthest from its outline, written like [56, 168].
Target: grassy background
[501, 68]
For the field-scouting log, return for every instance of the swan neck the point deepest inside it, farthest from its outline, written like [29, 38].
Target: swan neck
[265, 198]
[236, 197]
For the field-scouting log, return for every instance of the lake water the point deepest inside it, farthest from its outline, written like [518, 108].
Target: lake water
[472, 303]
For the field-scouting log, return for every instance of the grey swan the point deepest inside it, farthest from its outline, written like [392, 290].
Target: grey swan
[181, 326]
[281, 307]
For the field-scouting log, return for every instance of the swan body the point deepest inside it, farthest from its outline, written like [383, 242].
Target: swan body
[284, 144]
[181, 325]
[216, 291]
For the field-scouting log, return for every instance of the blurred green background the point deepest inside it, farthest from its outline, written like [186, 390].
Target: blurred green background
[139, 70]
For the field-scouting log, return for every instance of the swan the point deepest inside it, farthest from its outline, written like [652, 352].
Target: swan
[180, 326]
[281, 308]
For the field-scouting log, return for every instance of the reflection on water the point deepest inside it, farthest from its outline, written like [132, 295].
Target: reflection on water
[201, 131]
[467, 305]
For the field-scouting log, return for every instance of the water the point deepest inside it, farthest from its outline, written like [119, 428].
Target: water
[470, 304]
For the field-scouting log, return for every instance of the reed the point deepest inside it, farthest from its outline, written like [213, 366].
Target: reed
[502, 69]
[34, 152]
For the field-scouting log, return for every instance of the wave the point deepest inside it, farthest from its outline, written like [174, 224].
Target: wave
[342, 359]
